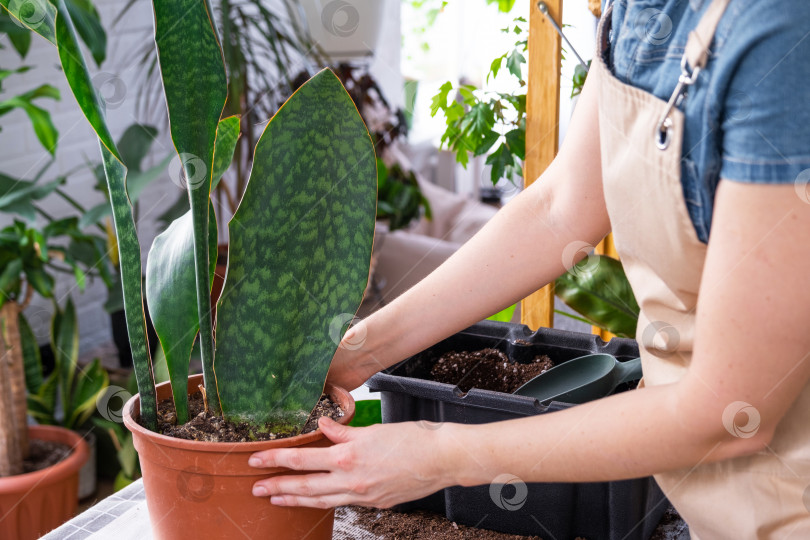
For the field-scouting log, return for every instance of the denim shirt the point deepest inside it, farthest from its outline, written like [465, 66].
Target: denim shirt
[748, 114]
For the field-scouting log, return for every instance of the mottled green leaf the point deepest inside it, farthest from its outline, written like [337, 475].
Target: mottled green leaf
[195, 86]
[171, 293]
[300, 246]
[598, 289]
[227, 136]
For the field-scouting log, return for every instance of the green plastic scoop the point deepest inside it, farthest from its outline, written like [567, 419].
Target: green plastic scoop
[582, 379]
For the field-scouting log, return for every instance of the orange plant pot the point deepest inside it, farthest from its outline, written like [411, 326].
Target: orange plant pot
[34, 503]
[200, 489]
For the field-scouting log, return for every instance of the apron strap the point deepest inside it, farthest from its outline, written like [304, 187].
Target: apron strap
[697, 46]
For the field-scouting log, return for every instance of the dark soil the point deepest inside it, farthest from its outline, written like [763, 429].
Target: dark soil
[205, 426]
[44, 454]
[420, 525]
[488, 369]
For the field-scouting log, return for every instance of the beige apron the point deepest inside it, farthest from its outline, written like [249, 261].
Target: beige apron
[760, 496]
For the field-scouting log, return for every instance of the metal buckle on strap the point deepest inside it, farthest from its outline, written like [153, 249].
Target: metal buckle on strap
[686, 79]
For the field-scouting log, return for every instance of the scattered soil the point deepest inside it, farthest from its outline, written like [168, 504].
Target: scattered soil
[488, 369]
[205, 426]
[44, 454]
[421, 525]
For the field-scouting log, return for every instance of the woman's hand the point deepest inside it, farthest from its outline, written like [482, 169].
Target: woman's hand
[379, 466]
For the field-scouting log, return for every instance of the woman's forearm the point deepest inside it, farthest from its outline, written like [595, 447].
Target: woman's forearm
[629, 435]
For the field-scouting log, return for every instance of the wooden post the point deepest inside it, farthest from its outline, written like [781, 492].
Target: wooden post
[542, 129]
[605, 247]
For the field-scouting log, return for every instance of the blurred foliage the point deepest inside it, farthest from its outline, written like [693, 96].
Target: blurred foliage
[75, 390]
[367, 412]
[597, 288]
[479, 120]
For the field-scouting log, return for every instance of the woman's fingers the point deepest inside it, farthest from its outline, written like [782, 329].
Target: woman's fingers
[325, 501]
[297, 459]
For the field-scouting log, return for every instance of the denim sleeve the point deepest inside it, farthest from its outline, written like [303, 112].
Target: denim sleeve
[765, 111]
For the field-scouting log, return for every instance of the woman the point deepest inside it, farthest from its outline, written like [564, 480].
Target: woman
[694, 119]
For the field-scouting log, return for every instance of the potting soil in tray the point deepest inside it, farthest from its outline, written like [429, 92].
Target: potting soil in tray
[205, 426]
[44, 454]
[392, 525]
[487, 369]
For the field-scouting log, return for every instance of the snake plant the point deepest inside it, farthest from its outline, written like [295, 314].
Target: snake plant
[300, 241]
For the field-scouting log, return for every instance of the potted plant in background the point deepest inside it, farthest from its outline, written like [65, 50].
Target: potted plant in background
[298, 264]
[37, 501]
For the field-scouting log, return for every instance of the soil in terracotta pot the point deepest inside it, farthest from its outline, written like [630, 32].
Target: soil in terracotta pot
[44, 454]
[392, 525]
[205, 426]
[487, 369]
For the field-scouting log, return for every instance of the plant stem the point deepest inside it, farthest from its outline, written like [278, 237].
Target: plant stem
[199, 218]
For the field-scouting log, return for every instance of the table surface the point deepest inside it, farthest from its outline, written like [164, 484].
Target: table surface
[123, 516]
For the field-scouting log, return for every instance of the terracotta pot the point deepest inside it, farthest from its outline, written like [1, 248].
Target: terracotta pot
[203, 490]
[34, 503]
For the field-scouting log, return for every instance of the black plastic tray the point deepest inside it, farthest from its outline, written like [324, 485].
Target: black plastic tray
[625, 510]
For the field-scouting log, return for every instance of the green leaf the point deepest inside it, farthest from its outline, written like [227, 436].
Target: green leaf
[486, 142]
[310, 205]
[500, 159]
[41, 281]
[135, 144]
[504, 315]
[479, 120]
[495, 67]
[171, 293]
[138, 181]
[439, 101]
[514, 62]
[36, 15]
[65, 344]
[10, 279]
[31, 357]
[44, 129]
[16, 191]
[90, 383]
[367, 412]
[195, 86]
[86, 18]
[516, 142]
[42, 405]
[224, 147]
[20, 37]
[598, 289]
